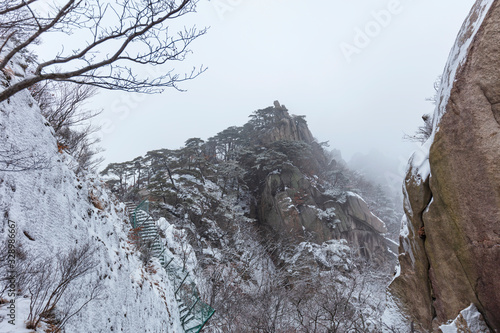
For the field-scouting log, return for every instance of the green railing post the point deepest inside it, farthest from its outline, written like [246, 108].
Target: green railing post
[206, 320]
[189, 311]
[169, 263]
[181, 283]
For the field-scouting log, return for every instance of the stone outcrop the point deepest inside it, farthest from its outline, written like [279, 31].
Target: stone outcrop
[286, 127]
[293, 205]
[450, 245]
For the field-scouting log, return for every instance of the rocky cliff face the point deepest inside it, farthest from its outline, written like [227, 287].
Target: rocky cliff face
[295, 202]
[450, 244]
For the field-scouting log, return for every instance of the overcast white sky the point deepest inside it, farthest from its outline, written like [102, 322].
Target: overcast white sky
[258, 51]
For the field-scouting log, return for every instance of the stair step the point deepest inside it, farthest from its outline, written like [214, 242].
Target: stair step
[148, 229]
[192, 329]
[146, 225]
[142, 225]
[148, 232]
[185, 317]
[188, 319]
[150, 237]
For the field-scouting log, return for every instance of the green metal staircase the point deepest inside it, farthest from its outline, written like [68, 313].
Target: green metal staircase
[194, 313]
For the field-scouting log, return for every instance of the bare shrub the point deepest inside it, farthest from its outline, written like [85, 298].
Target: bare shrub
[63, 104]
[423, 132]
[146, 251]
[21, 270]
[143, 246]
[53, 280]
[331, 300]
[13, 159]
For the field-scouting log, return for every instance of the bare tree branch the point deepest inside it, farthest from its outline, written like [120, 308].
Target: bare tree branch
[63, 105]
[51, 281]
[13, 159]
[65, 10]
[9, 7]
[119, 37]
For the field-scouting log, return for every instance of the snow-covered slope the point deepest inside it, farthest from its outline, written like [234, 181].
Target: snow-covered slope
[55, 211]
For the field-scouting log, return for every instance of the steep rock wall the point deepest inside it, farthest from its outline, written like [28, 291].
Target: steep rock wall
[450, 247]
[293, 205]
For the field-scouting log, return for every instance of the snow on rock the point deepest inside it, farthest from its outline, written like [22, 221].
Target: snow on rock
[404, 232]
[405, 241]
[55, 211]
[392, 318]
[360, 210]
[469, 320]
[331, 253]
[458, 55]
[419, 162]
